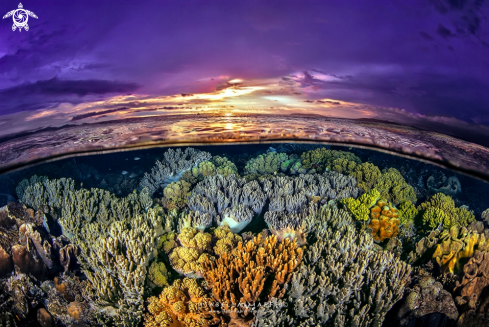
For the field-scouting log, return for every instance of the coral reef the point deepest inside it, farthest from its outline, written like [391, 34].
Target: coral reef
[424, 297]
[341, 281]
[184, 303]
[158, 274]
[394, 188]
[384, 221]
[360, 208]
[485, 216]
[440, 209]
[229, 200]
[257, 270]
[171, 168]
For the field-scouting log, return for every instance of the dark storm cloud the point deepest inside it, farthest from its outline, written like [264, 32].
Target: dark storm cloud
[33, 96]
[443, 31]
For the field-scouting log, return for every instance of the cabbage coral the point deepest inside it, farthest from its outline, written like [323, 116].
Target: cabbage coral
[440, 209]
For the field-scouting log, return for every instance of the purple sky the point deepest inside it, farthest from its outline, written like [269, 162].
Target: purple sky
[416, 58]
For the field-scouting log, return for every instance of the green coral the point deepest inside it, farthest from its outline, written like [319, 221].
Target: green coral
[268, 163]
[359, 208]
[366, 175]
[322, 159]
[440, 209]
[343, 165]
[175, 194]
[407, 212]
[394, 188]
[224, 166]
[158, 274]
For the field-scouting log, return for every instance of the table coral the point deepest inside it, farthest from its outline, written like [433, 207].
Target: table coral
[384, 221]
[440, 209]
[183, 304]
[255, 271]
[393, 187]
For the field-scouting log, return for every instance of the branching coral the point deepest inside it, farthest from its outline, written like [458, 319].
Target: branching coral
[360, 208]
[229, 200]
[258, 270]
[176, 194]
[170, 169]
[267, 163]
[341, 281]
[440, 209]
[183, 304]
[394, 188]
[321, 159]
[292, 199]
[384, 221]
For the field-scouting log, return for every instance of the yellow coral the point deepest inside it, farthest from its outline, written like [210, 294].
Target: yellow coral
[194, 238]
[167, 242]
[158, 274]
[184, 304]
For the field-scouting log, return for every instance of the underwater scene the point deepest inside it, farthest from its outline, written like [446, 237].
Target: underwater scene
[279, 234]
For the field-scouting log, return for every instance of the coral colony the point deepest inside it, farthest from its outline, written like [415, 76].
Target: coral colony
[309, 236]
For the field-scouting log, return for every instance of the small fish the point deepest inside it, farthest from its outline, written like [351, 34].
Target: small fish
[133, 175]
[137, 158]
[124, 172]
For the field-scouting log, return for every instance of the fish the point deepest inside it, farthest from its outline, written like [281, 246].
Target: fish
[137, 158]
[124, 172]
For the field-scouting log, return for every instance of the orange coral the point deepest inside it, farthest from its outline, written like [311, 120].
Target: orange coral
[384, 221]
[184, 304]
[75, 310]
[259, 269]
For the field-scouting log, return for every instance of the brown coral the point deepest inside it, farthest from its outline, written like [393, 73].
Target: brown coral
[384, 221]
[184, 304]
[473, 297]
[257, 270]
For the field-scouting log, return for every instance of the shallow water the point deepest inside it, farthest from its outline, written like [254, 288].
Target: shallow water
[95, 239]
